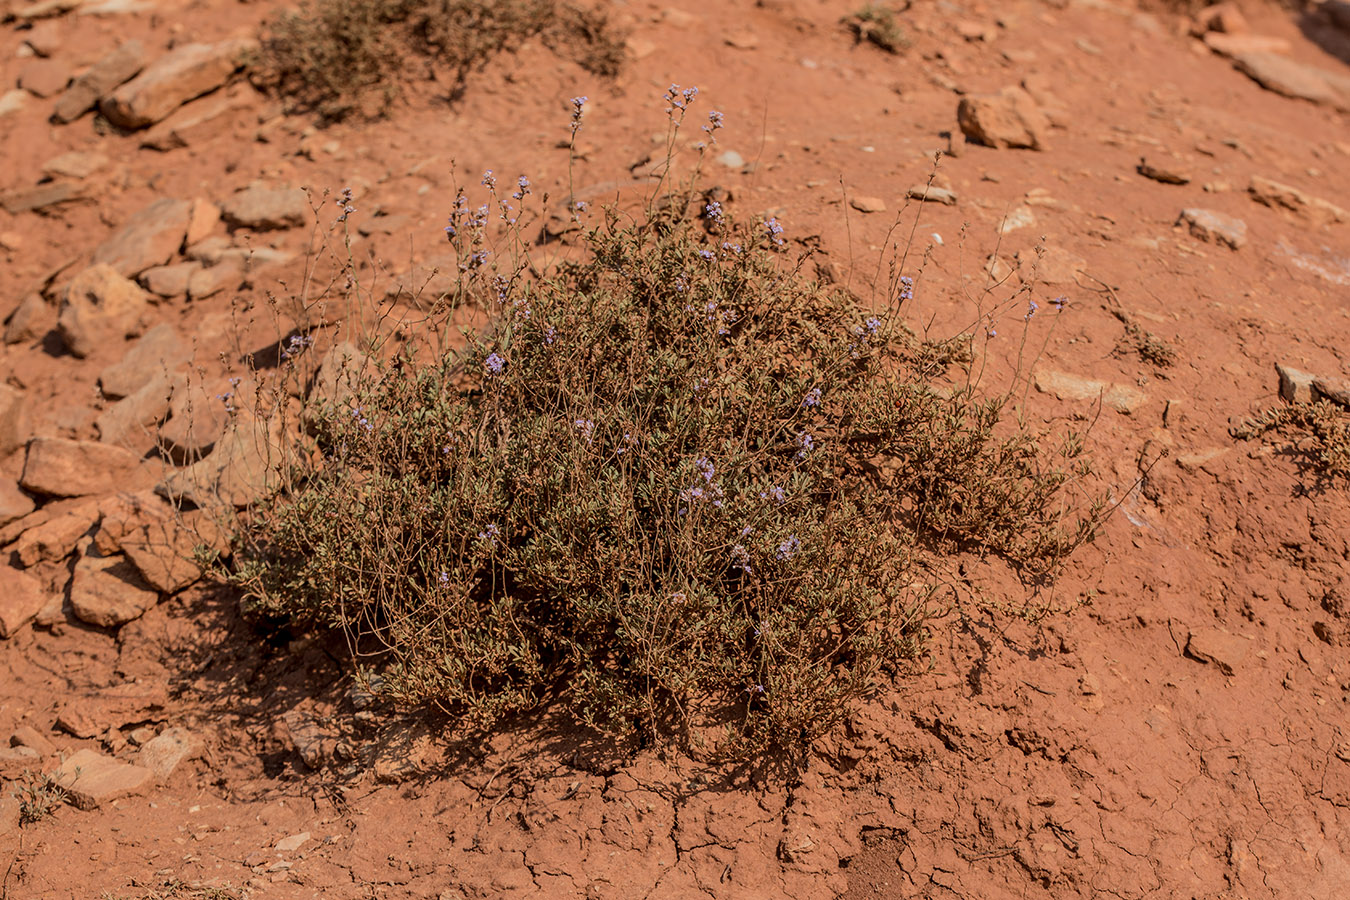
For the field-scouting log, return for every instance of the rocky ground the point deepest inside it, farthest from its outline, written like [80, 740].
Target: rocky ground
[1180, 182]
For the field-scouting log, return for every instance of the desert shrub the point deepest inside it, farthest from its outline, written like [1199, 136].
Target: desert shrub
[1319, 436]
[876, 23]
[674, 484]
[332, 56]
[679, 483]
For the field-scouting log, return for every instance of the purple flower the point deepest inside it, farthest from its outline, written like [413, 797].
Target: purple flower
[715, 121]
[494, 364]
[1059, 302]
[713, 211]
[705, 466]
[906, 288]
[489, 180]
[549, 334]
[1032, 306]
[774, 493]
[707, 254]
[807, 444]
[586, 427]
[813, 398]
[523, 188]
[740, 558]
[445, 577]
[492, 534]
[775, 232]
[789, 547]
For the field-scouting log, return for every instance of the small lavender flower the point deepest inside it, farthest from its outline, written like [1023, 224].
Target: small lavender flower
[812, 398]
[713, 212]
[586, 427]
[873, 325]
[730, 247]
[549, 334]
[297, 343]
[707, 254]
[1032, 306]
[775, 231]
[774, 493]
[445, 577]
[578, 105]
[706, 467]
[807, 444]
[344, 200]
[715, 121]
[491, 534]
[522, 188]
[489, 180]
[1059, 302]
[789, 547]
[740, 558]
[494, 364]
[906, 288]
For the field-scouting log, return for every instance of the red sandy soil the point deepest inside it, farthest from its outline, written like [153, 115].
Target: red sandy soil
[1184, 735]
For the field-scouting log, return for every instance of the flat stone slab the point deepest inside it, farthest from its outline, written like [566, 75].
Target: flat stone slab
[162, 754]
[1217, 646]
[1125, 398]
[92, 779]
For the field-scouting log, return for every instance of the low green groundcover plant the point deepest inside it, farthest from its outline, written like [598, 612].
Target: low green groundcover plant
[680, 486]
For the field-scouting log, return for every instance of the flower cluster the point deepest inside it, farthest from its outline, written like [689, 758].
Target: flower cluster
[494, 364]
[586, 428]
[679, 99]
[740, 559]
[775, 231]
[578, 107]
[715, 122]
[712, 211]
[790, 547]
[774, 493]
[344, 200]
[812, 398]
[806, 443]
[709, 491]
[906, 288]
[297, 344]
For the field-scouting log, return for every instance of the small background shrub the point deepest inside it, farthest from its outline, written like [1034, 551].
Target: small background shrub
[876, 23]
[39, 795]
[1320, 432]
[333, 57]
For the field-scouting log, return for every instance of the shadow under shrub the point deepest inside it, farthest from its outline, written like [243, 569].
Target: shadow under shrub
[679, 486]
